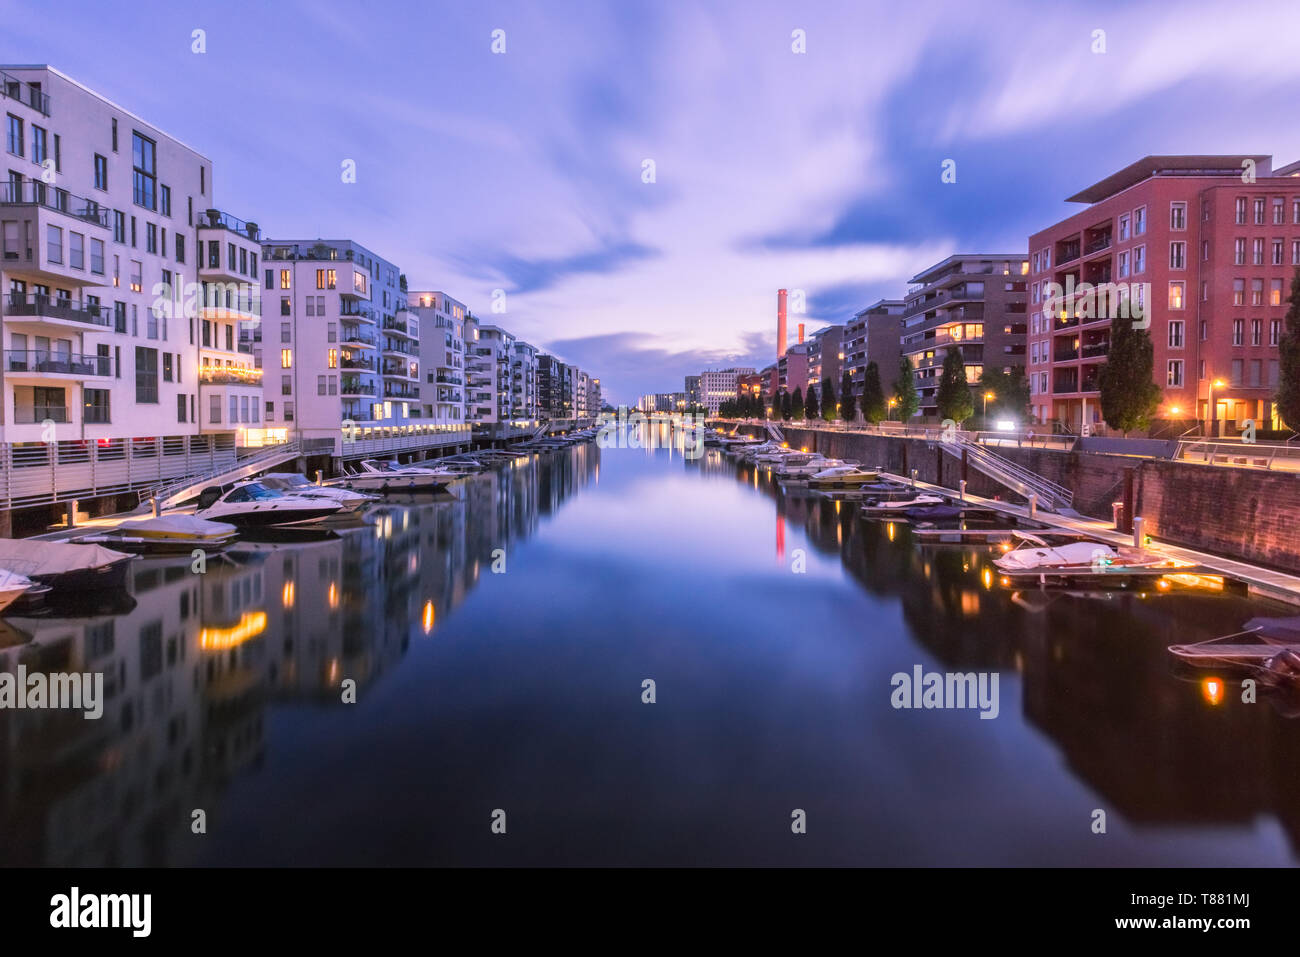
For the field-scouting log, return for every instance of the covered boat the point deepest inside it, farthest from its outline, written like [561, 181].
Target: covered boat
[12, 587]
[65, 566]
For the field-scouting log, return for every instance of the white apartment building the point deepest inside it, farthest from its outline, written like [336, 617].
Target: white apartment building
[718, 386]
[523, 381]
[100, 220]
[340, 354]
[490, 360]
[442, 355]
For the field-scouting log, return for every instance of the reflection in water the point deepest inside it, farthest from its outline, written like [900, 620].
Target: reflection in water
[522, 690]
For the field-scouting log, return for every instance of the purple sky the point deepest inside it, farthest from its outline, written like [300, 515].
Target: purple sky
[817, 171]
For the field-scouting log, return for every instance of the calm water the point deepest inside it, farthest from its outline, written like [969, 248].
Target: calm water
[522, 691]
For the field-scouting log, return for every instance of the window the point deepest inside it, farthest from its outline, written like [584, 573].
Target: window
[320, 385]
[333, 359]
[180, 408]
[1239, 216]
[288, 412]
[1175, 373]
[1123, 264]
[284, 279]
[286, 358]
[214, 409]
[331, 333]
[14, 135]
[137, 275]
[76, 250]
[1238, 332]
[1176, 334]
[1205, 330]
[167, 367]
[1239, 292]
[270, 411]
[1257, 252]
[1239, 252]
[1178, 255]
[1279, 210]
[1295, 211]
[1177, 215]
[284, 306]
[234, 409]
[1274, 331]
[180, 248]
[144, 171]
[151, 238]
[1275, 293]
[1257, 292]
[165, 200]
[1256, 332]
[146, 375]
[1139, 221]
[101, 172]
[53, 244]
[1259, 211]
[1295, 252]
[1205, 250]
[334, 385]
[119, 227]
[286, 332]
[1235, 379]
[1139, 260]
[1177, 295]
[95, 406]
[1123, 228]
[286, 385]
[1276, 258]
[97, 257]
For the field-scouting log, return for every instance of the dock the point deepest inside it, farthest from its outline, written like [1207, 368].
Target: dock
[1261, 582]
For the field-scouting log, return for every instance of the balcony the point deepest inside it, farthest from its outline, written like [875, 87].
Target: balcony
[392, 391]
[41, 362]
[355, 387]
[449, 379]
[33, 192]
[392, 347]
[359, 339]
[216, 219]
[398, 327]
[356, 313]
[36, 414]
[61, 312]
[15, 89]
[211, 375]
[1097, 245]
[400, 370]
[357, 363]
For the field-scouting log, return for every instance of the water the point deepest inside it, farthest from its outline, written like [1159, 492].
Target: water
[521, 690]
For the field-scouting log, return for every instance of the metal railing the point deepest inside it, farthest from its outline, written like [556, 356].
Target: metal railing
[264, 456]
[14, 88]
[33, 192]
[1283, 456]
[1016, 477]
[44, 307]
[42, 361]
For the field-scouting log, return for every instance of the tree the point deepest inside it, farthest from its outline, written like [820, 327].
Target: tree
[848, 404]
[774, 405]
[1129, 393]
[830, 408]
[786, 410]
[810, 407]
[1288, 381]
[874, 407]
[796, 405]
[954, 398]
[1010, 391]
[905, 396]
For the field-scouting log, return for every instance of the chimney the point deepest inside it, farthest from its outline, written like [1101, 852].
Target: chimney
[801, 332]
[780, 323]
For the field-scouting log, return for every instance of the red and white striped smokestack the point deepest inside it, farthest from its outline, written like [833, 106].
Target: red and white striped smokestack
[801, 332]
[780, 323]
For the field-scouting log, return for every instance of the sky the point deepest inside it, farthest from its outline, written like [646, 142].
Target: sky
[525, 170]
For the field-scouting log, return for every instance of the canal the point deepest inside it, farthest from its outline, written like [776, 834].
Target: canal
[499, 645]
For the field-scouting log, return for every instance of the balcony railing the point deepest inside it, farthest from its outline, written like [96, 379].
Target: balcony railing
[352, 338]
[41, 361]
[32, 192]
[232, 376]
[17, 304]
[216, 219]
[16, 89]
[350, 310]
[397, 325]
[450, 379]
[1097, 245]
[356, 387]
[32, 414]
[358, 364]
[400, 392]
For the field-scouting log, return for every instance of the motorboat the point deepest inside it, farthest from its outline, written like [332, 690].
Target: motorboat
[12, 587]
[841, 476]
[375, 475]
[164, 534]
[292, 483]
[1035, 554]
[913, 501]
[65, 566]
[254, 505]
[931, 511]
[795, 469]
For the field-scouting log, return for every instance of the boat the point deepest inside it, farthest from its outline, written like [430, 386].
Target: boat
[1033, 554]
[912, 500]
[931, 511]
[65, 566]
[294, 483]
[842, 476]
[12, 587]
[164, 534]
[380, 476]
[253, 505]
[1267, 648]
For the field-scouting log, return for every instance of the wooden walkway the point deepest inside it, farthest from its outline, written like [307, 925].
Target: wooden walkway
[1260, 581]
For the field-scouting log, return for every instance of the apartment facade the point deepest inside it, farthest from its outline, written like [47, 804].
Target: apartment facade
[975, 303]
[1209, 245]
[101, 216]
[720, 385]
[523, 381]
[441, 322]
[874, 335]
[693, 390]
[826, 356]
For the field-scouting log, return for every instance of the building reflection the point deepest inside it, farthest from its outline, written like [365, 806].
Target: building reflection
[193, 661]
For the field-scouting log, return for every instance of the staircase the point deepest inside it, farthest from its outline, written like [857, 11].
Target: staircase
[1053, 497]
[775, 433]
[173, 493]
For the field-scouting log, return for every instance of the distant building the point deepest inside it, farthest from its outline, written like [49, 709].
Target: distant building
[874, 335]
[826, 356]
[719, 386]
[694, 392]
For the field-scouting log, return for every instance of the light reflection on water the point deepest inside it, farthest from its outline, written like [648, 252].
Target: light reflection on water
[521, 690]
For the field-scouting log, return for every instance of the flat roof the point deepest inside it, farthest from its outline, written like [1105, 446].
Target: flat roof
[966, 257]
[1189, 165]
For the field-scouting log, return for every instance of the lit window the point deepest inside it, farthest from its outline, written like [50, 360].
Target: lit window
[286, 358]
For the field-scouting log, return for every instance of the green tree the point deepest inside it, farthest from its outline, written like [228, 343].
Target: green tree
[830, 408]
[811, 409]
[954, 398]
[1129, 394]
[1010, 391]
[1288, 381]
[848, 403]
[796, 405]
[874, 407]
[905, 398]
[774, 404]
[787, 411]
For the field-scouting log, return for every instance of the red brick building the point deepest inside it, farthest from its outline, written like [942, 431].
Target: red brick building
[1206, 246]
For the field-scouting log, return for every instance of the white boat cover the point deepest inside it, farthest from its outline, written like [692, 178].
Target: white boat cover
[912, 502]
[178, 525]
[1077, 554]
[33, 558]
[11, 581]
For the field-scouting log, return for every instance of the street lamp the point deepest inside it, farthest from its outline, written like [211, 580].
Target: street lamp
[987, 396]
[892, 403]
